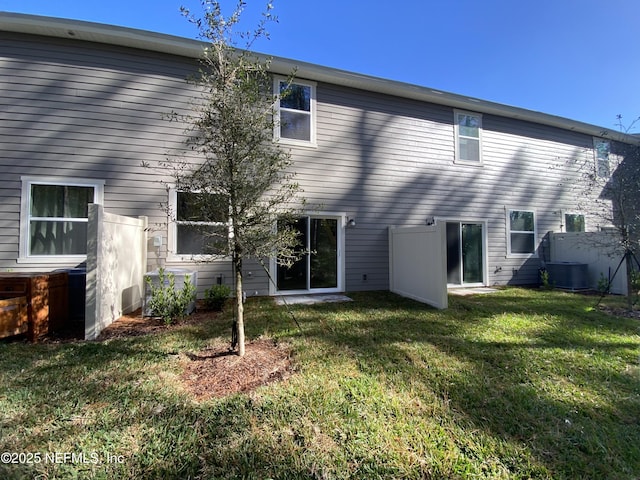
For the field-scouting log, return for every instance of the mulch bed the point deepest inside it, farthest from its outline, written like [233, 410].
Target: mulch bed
[134, 324]
[217, 372]
[211, 373]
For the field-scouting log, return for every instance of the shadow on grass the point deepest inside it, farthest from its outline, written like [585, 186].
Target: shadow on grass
[121, 399]
[556, 392]
[561, 389]
[116, 399]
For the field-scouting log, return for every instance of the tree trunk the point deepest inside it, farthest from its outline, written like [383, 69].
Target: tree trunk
[239, 306]
[630, 292]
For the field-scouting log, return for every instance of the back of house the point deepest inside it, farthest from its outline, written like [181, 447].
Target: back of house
[85, 111]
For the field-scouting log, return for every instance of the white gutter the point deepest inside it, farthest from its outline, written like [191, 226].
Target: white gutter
[170, 44]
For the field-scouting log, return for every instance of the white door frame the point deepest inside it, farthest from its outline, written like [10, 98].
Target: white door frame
[485, 250]
[273, 267]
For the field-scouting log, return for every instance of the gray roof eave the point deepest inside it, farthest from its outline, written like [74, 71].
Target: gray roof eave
[170, 44]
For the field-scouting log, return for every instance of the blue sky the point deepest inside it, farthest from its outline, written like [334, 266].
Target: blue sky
[573, 58]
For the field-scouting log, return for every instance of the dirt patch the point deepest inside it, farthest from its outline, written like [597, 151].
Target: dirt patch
[620, 312]
[134, 324]
[217, 372]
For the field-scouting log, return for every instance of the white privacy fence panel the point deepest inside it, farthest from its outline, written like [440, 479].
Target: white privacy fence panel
[600, 251]
[418, 263]
[116, 262]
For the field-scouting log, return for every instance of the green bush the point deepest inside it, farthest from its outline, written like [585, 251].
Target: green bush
[544, 279]
[603, 284]
[216, 296]
[167, 302]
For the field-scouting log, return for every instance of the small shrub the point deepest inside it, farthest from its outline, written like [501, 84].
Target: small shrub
[603, 284]
[544, 279]
[216, 296]
[166, 301]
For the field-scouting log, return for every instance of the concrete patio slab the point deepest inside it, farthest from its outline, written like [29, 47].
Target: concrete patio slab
[472, 291]
[311, 299]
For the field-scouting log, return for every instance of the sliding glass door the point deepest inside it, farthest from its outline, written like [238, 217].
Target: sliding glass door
[319, 268]
[465, 253]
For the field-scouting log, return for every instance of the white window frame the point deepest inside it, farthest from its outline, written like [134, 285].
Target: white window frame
[341, 217]
[533, 254]
[25, 216]
[312, 114]
[172, 237]
[598, 160]
[457, 135]
[570, 212]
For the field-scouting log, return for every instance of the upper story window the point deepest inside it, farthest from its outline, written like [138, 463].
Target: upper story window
[602, 151]
[295, 112]
[521, 235]
[54, 217]
[200, 226]
[468, 133]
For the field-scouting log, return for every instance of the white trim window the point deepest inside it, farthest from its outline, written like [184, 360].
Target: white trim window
[468, 136]
[295, 112]
[521, 233]
[198, 225]
[573, 222]
[602, 152]
[321, 268]
[54, 218]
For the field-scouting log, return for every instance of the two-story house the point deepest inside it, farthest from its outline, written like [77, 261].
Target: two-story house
[84, 106]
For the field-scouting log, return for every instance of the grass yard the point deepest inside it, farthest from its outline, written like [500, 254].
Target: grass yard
[518, 384]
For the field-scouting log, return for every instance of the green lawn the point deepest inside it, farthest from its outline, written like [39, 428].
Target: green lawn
[518, 384]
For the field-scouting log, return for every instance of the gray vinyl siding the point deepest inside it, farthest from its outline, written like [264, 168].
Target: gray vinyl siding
[392, 163]
[80, 110]
[83, 110]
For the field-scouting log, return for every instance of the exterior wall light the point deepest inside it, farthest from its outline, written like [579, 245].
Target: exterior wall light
[351, 222]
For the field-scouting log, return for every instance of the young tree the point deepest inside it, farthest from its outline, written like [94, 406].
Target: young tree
[610, 192]
[241, 183]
